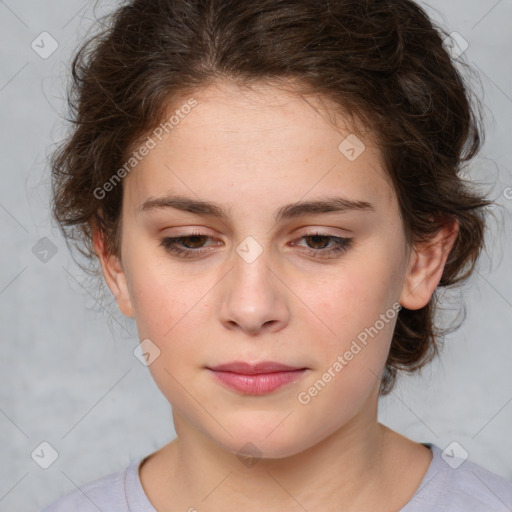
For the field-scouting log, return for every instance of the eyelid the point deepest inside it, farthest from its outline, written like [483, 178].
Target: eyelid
[325, 231]
[339, 247]
[190, 231]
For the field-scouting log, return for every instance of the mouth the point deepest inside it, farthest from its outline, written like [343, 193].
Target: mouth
[256, 379]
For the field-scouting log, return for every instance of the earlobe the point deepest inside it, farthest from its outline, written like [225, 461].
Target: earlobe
[114, 274]
[426, 265]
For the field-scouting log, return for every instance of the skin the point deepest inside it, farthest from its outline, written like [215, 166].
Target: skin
[253, 152]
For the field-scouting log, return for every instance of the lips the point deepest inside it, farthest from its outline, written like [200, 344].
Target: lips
[256, 379]
[252, 369]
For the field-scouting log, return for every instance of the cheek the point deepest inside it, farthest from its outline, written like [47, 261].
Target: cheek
[168, 312]
[352, 299]
[350, 363]
[160, 301]
[359, 305]
[173, 312]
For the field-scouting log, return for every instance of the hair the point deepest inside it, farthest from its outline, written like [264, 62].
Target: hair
[382, 62]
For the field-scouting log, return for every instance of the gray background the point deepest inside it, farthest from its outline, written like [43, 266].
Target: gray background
[69, 376]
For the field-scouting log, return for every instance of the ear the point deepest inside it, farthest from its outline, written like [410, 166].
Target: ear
[426, 265]
[113, 273]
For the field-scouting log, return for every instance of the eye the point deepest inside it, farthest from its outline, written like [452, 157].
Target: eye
[339, 244]
[186, 245]
[193, 244]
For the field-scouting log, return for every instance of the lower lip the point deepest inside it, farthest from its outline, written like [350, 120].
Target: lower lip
[258, 384]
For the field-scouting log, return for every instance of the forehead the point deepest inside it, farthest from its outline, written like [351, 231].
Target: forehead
[261, 144]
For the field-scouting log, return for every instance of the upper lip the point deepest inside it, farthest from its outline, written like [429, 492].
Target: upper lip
[252, 369]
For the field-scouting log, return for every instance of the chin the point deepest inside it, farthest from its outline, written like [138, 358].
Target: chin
[247, 449]
[264, 437]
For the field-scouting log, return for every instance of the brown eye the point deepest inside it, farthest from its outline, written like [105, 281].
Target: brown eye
[194, 241]
[189, 245]
[318, 245]
[317, 241]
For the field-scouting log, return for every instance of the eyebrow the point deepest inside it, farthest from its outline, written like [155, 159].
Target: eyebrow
[287, 212]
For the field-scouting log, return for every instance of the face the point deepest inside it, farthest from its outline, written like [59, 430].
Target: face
[273, 269]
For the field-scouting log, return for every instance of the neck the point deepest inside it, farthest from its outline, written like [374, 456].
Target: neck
[345, 467]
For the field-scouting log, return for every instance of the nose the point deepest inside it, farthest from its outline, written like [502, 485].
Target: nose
[253, 297]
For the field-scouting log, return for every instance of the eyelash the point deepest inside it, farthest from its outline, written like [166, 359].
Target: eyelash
[341, 245]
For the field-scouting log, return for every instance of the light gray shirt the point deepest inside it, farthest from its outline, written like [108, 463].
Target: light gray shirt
[449, 485]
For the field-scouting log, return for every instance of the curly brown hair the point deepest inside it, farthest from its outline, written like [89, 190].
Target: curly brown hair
[382, 62]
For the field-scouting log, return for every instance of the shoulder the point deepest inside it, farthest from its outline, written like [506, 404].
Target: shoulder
[453, 484]
[105, 493]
